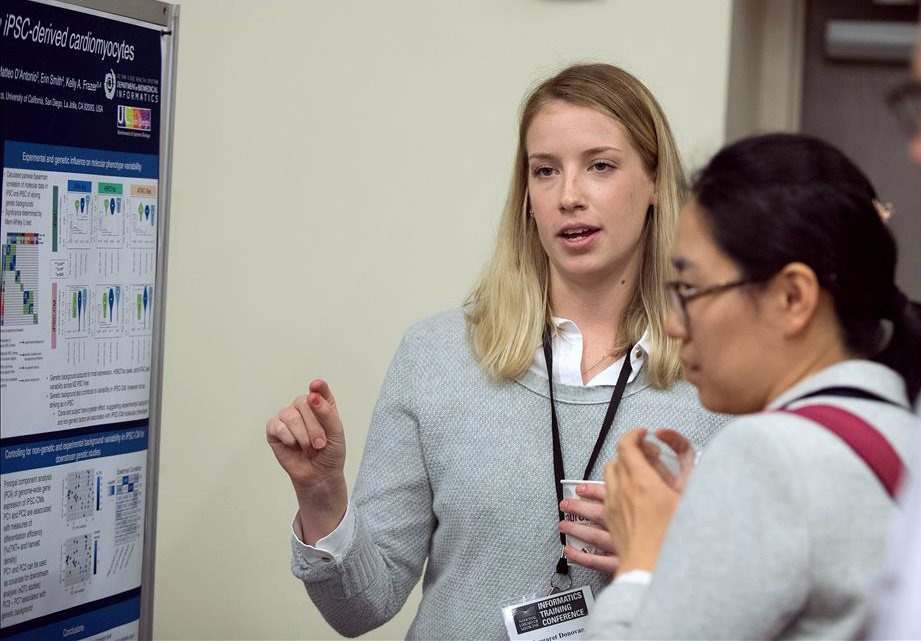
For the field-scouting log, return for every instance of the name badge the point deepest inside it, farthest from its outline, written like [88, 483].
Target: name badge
[549, 618]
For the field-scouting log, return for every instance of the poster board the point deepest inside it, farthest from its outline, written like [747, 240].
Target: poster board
[86, 110]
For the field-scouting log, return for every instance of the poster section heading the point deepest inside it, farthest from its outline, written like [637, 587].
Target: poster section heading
[70, 77]
[48, 453]
[35, 157]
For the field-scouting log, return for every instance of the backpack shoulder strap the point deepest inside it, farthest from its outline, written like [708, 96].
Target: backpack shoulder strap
[860, 436]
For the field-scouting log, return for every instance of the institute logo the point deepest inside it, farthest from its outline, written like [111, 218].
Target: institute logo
[109, 84]
[133, 118]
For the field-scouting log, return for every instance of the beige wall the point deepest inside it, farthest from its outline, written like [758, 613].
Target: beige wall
[339, 170]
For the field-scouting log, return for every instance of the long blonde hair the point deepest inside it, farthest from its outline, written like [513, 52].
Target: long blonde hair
[510, 306]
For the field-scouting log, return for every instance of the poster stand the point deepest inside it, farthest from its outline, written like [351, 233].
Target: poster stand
[86, 133]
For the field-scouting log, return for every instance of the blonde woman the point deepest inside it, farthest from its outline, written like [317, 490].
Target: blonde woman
[470, 437]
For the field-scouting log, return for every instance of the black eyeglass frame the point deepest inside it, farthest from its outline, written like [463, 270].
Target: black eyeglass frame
[674, 288]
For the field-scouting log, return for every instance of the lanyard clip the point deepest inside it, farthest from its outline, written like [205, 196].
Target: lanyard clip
[559, 583]
[560, 580]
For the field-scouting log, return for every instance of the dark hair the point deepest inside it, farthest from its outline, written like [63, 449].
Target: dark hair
[781, 198]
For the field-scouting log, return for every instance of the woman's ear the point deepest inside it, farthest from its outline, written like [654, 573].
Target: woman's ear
[794, 297]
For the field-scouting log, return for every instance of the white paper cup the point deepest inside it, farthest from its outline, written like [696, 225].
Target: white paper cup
[666, 454]
[569, 492]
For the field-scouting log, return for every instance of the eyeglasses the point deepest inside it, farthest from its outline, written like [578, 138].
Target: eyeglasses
[681, 293]
[905, 102]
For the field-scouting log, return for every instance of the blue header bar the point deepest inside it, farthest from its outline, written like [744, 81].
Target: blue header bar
[78, 160]
[61, 451]
[85, 626]
[80, 186]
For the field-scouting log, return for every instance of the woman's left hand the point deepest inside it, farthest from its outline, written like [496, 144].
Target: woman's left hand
[639, 505]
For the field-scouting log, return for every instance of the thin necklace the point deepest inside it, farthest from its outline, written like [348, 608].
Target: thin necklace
[599, 361]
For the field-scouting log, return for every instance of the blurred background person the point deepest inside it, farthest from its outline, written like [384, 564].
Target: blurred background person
[898, 611]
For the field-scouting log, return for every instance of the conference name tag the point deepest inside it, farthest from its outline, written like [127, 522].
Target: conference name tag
[549, 618]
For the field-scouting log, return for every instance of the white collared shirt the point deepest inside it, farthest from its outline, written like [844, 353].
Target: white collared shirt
[567, 370]
[567, 358]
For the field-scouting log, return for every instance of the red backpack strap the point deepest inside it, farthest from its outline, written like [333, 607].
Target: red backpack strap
[863, 438]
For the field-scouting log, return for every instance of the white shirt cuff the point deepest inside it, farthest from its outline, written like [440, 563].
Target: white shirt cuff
[332, 547]
[635, 576]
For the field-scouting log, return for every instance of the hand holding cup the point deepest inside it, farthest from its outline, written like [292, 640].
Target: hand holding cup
[587, 540]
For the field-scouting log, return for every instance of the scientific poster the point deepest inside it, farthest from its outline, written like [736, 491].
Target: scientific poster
[80, 124]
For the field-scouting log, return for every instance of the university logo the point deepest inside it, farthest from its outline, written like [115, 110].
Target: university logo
[134, 118]
[109, 84]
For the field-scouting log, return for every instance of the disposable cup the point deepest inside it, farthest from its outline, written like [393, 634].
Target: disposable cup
[666, 454]
[569, 492]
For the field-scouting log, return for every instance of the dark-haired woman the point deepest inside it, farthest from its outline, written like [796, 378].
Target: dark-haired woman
[788, 314]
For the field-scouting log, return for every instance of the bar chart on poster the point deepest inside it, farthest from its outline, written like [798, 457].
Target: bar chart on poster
[85, 118]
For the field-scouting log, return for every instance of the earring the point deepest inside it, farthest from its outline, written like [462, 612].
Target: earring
[885, 210]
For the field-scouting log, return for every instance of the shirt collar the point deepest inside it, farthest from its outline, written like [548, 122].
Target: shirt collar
[567, 358]
[866, 375]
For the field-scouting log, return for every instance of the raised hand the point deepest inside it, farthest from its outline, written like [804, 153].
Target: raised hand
[639, 506]
[309, 443]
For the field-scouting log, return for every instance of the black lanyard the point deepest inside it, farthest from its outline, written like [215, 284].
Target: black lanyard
[562, 566]
[848, 392]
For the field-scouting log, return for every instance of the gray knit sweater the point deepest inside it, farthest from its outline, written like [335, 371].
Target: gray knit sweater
[458, 472]
[781, 531]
